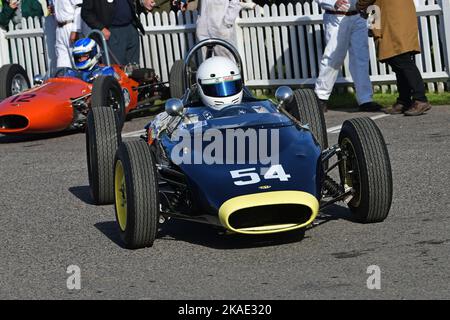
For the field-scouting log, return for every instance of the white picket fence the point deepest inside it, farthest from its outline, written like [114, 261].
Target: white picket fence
[280, 45]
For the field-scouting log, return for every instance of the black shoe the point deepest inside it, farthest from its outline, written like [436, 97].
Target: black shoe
[370, 107]
[323, 105]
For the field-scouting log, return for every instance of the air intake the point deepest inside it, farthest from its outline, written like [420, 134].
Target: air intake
[13, 122]
[271, 216]
[269, 212]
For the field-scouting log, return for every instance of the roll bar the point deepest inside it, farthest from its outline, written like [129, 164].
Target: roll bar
[104, 44]
[210, 43]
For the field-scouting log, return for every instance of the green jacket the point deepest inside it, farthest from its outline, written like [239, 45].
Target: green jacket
[30, 8]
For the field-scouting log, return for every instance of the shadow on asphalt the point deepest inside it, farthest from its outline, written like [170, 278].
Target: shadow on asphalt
[109, 229]
[205, 235]
[215, 238]
[334, 212]
[34, 137]
[83, 193]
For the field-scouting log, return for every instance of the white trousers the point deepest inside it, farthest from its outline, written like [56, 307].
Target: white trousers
[63, 46]
[227, 34]
[345, 34]
[63, 53]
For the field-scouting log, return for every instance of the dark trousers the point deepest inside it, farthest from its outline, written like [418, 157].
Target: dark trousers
[409, 80]
[124, 44]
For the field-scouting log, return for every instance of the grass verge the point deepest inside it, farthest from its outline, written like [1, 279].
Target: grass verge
[348, 100]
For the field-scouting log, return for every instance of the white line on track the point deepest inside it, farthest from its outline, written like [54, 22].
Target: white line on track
[133, 134]
[335, 129]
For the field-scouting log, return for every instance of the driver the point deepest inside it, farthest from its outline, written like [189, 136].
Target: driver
[219, 82]
[86, 58]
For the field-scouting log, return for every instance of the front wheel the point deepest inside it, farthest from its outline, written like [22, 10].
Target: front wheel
[366, 168]
[176, 80]
[306, 109]
[107, 92]
[13, 80]
[102, 140]
[136, 194]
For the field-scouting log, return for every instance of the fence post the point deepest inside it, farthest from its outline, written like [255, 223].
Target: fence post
[445, 4]
[4, 48]
[241, 46]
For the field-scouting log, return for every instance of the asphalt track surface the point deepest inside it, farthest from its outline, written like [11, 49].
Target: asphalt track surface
[48, 222]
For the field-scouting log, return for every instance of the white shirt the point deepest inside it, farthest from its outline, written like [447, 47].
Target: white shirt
[68, 10]
[329, 4]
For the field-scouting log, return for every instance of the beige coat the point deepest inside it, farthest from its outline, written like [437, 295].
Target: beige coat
[399, 32]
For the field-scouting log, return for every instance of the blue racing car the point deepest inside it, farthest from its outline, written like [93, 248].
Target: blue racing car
[218, 155]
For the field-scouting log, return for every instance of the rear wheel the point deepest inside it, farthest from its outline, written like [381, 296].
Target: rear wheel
[306, 109]
[177, 80]
[136, 195]
[13, 80]
[102, 140]
[366, 168]
[106, 92]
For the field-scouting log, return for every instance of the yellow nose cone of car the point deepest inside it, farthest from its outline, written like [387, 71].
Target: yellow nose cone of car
[269, 212]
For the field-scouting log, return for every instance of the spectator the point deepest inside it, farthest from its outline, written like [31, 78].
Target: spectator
[49, 27]
[174, 5]
[397, 43]
[217, 20]
[345, 31]
[15, 10]
[69, 27]
[119, 23]
[145, 6]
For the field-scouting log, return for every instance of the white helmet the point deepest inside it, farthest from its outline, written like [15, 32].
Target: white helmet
[219, 82]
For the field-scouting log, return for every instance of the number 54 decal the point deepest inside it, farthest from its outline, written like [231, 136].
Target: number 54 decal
[250, 176]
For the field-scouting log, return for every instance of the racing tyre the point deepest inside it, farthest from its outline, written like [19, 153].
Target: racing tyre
[366, 168]
[13, 80]
[136, 195]
[177, 80]
[102, 140]
[106, 92]
[306, 109]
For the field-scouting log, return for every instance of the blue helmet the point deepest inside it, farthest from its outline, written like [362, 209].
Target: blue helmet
[85, 54]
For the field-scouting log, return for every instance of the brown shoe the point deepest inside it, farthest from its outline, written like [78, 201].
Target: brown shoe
[397, 108]
[418, 108]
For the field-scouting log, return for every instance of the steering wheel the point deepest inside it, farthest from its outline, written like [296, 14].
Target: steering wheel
[210, 44]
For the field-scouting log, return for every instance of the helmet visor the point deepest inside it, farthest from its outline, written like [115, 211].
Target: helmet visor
[81, 57]
[222, 89]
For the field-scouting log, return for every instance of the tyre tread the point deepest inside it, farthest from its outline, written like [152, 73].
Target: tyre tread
[306, 109]
[376, 166]
[144, 206]
[103, 131]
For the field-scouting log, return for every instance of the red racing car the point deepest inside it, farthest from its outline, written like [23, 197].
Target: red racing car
[61, 103]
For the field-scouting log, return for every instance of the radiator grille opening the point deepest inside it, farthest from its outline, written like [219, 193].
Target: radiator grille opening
[13, 122]
[270, 215]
